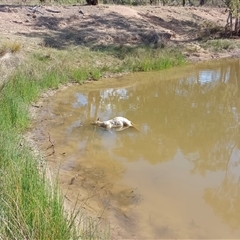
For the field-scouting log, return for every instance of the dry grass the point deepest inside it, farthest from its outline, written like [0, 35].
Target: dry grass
[12, 47]
[11, 56]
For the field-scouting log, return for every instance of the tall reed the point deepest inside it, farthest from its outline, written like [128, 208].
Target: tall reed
[30, 207]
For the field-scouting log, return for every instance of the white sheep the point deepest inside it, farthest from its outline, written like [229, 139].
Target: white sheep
[117, 123]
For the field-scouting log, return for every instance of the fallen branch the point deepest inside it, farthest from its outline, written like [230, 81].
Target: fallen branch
[51, 146]
[73, 179]
[52, 11]
[34, 9]
[36, 106]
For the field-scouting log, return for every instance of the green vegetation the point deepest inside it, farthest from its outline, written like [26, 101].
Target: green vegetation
[154, 61]
[220, 45]
[31, 207]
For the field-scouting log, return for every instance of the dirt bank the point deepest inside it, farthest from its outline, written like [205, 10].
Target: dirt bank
[107, 25]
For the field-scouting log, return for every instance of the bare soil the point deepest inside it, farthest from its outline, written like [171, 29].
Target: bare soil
[108, 25]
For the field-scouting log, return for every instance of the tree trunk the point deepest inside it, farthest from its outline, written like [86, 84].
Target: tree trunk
[229, 25]
[183, 3]
[236, 28]
[202, 2]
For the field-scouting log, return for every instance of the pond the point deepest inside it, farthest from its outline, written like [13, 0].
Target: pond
[177, 177]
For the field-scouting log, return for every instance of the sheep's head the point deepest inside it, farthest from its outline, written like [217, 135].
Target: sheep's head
[96, 122]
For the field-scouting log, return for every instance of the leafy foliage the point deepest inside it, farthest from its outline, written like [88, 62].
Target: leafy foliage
[233, 6]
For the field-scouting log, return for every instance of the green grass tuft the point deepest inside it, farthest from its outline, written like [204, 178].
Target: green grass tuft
[153, 60]
[79, 75]
[30, 207]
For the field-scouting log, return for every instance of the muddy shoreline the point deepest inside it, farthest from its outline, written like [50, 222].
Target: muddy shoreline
[97, 196]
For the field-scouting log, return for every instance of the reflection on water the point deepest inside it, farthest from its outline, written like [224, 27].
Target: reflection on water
[178, 177]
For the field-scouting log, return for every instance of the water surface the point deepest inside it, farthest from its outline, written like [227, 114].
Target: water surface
[178, 176]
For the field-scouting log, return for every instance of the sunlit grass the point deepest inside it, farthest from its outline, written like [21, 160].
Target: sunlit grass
[79, 64]
[154, 60]
[30, 207]
[52, 79]
[79, 75]
[218, 45]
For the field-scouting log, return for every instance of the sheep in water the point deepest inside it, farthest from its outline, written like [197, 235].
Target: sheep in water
[117, 123]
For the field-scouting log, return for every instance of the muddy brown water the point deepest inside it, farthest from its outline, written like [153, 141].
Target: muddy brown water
[177, 177]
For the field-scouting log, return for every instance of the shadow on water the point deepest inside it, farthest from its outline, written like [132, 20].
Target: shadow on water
[185, 158]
